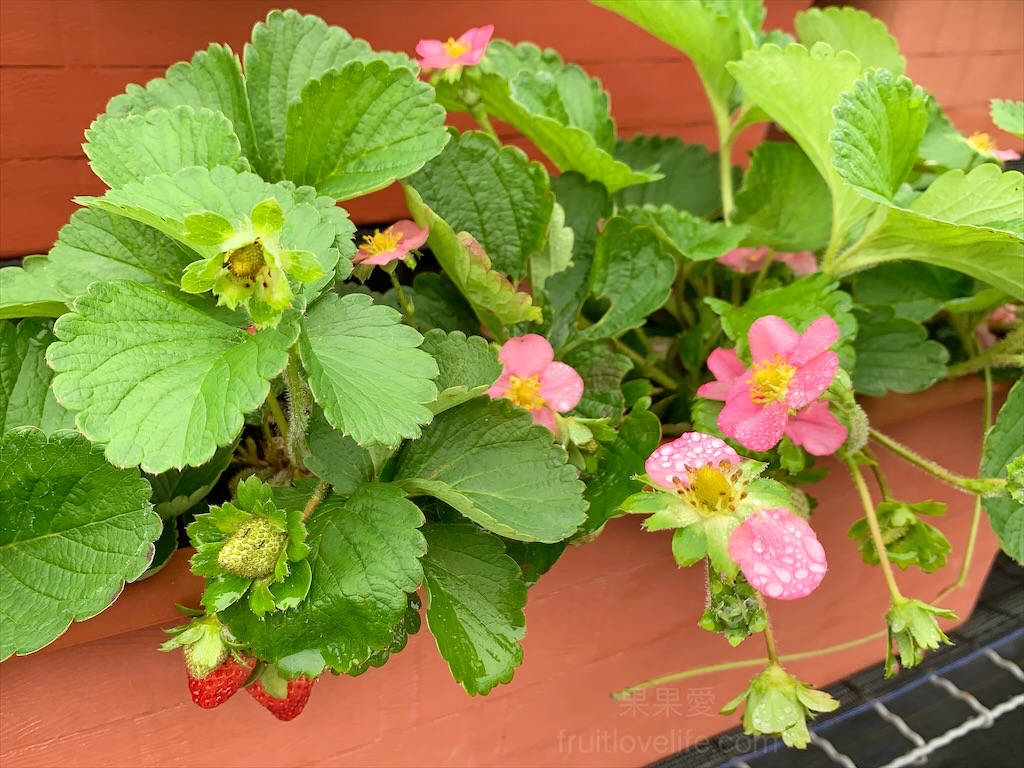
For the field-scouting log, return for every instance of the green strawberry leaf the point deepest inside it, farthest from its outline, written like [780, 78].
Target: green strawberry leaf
[1002, 447]
[161, 141]
[879, 127]
[178, 490]
[557, 106]
[619, 461]
[213, 79]
[366, 369]
[690, 172]
[73, 530]
[25, 396]
[711, 34]
[357, 129]
[854, 30]
[476, 597]
[287, 51]
[602, 371]
[204, 374]
[336, 458]
[494, 299]
[438, 304]
[798, 88]
[1008, 116]
[956, 223]
[29, 291]
[585, 203]
[495, 193]
[913, 291]
[100, 246]
[490, 461]
[364, 554]
[784, 202]
[556, 255]
[894, 354]
[467, 367]
[687, 235]
[632, 273]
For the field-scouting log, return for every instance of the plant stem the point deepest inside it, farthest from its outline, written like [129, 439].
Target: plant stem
[983, 486]
[876, 470]
[314, 500]
[755, 662]
[768, 258]
[876, 532]
[652, 372]
[299, 405]
[1002, 352]
[480, 115]
[721, 113]
[769, 636]
[403, 301]
[972, 536]
[278, 414]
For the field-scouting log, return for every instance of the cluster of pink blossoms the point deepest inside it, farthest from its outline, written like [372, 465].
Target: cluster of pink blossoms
[777, 551]
[779, 394]
[753, 259]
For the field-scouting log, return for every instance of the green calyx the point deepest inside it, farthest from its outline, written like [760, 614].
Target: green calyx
[778, 704]
[733, 610]
[251, 548]
[204, 641]
[908, 540]
[252, 551]
[913, 629]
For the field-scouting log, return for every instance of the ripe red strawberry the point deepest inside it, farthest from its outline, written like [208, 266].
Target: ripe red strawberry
[291, 705]
[221, 684]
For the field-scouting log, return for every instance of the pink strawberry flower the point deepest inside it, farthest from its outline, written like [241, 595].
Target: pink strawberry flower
[983, 144]
[1001, 319]
[392, 244]
[678, 464]
[752, 259]
[779, 554]
[777, 395]
[534, 380]
[452, 54]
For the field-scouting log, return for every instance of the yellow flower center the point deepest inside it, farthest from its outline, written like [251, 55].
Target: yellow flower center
[456, 48]
[247, 261]
[381, 242]
[982, 142]
[709, 487]
[770, 380]
[525, 392]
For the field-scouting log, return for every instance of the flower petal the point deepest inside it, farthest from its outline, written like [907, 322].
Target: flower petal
[413, 235]
[500, 387]
[546, 417]
[726, 365]
[779, 554]
[692, 450]
[769, 336]
[744, 259]
[377, 259]
[801, 262]
[526, 355]
[429, 47]
[477, 39]
[715, 390]
[561, 386]
[817, 430]
[754, 426]
[811, 380]
[821, 335]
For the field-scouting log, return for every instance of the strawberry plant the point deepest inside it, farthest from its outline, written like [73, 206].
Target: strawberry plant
[338, 421]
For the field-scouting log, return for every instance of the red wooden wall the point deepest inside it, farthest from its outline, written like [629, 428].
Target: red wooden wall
[61, 60]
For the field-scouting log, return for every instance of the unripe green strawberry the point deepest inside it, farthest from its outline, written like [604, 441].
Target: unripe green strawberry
[253, 550]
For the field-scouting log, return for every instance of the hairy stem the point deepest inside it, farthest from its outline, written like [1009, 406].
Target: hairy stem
[300, 402]
[981, 486]
[403, 301]
[1004, 353]
[769, 636]
[755, 662]
[278, 414]
[314, 500]
[876, 532]
[876, 470]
